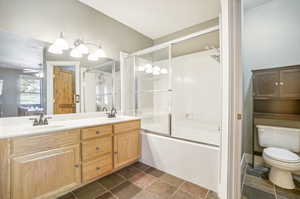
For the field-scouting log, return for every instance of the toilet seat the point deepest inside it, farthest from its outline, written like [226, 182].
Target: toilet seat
[281, 155]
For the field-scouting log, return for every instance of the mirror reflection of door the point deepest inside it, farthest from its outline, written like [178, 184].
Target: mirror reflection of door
[64, 90]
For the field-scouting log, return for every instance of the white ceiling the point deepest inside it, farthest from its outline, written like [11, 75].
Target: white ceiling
[248, 4]
[157, 18]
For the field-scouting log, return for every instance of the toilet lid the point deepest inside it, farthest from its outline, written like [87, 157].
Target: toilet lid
[281, 155]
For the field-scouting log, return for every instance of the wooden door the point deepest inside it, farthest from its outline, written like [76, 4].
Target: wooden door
[290, 83]
[64, 91]
[40, 174]
[126, 148]
[266, 84]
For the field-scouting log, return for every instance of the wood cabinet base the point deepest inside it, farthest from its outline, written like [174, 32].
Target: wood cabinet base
[48, 166]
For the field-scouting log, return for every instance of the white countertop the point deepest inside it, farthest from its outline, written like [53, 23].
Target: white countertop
[15, 127]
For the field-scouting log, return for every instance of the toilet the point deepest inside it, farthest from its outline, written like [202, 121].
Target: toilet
[281, 146]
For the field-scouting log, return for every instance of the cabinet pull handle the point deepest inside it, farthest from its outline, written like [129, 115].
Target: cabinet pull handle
[97, 148]
[97, 168]
[76, 165]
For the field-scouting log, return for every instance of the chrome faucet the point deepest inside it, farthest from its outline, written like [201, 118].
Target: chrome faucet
[113, 113]
[41, 121]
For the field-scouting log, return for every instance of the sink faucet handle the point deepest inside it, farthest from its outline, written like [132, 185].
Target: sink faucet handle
[41, 119]
[35, 121]
[113, 111]
[46, 120]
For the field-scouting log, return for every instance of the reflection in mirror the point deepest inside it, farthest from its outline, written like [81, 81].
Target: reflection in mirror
[102, 87]
[21, 75]
[35, 81]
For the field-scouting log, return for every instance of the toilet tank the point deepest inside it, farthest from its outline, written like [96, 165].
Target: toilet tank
[272, 136]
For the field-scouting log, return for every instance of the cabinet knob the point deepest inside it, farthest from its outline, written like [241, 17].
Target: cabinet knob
[97, 148]
[97, 132]
[97, 168]
[276, 83]
[281, 83]
[76, 165]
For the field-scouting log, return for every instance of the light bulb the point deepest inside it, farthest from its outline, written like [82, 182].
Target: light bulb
[164, 71]
[75, 53]
[61, 43]
[147, 66]
[83, 49]
[156, 68]
[149, 70]
[156, 72]
[100, 53]
[55, 49]
[93, 57]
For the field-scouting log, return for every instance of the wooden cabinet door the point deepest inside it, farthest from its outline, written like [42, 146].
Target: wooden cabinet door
[290, 83]
[41, 174]
[266, 84]
[126, 148]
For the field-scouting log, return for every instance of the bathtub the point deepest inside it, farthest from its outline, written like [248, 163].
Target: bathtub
[193, 130]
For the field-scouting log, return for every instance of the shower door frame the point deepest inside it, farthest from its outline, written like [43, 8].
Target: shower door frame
[168, 45]
[168, 90]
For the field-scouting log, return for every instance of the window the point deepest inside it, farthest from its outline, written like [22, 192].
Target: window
[30, 90]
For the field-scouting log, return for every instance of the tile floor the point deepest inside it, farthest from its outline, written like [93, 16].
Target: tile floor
[255, 187]
[140, 181]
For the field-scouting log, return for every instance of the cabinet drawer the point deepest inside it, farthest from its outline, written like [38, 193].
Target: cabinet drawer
[96, 147]
[37, 143]
[96, 168]
[95, 132]
[127, 126]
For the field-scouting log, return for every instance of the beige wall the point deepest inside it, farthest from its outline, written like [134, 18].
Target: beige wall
[44, 19]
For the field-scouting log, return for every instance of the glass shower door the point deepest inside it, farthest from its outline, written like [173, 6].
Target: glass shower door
[152, 99]
[196, 82]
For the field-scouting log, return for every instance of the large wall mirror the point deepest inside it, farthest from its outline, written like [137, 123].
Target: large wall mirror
[34, 81]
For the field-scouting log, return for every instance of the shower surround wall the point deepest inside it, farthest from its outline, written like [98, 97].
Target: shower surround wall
[195, 104]
[196, 111]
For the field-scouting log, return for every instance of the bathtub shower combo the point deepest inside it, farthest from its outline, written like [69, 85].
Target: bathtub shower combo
[175, 88]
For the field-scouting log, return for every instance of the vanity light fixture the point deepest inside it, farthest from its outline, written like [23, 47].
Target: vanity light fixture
[93, 57]
[80, 48]
[100, 52]
[156, 68]
[156, 72]
[75, 53]
[59, 45]
[149, 70]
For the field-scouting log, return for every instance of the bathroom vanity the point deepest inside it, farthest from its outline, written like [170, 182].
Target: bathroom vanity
[47, 161]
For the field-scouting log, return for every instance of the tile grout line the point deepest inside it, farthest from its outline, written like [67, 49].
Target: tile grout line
[244, 179]
[275, 193]
[178, 189]
[207, 194]
[73, 194]
[107, 190]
